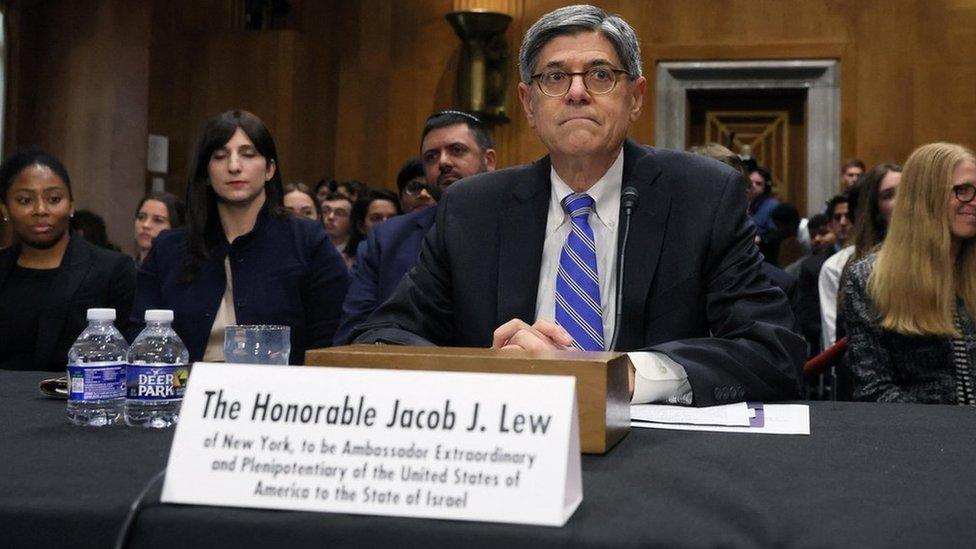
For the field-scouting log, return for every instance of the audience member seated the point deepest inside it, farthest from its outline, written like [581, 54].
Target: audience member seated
[761, 206]
[353, 190]
[875, 194]
[337, 219]
[787, 221]
[242, 258]
[808, 280]
[776, 276]
[322, 189]
[909, 307]
[412, 187]
[851, 173]
[157, 212]
[821, 241]
[828, 279]
[90, 226]
[453, 145]
[375, 207]
[49, 279]
[301, 202]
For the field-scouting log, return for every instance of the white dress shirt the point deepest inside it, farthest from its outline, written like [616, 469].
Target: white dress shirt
[829, 284]
[658, 379]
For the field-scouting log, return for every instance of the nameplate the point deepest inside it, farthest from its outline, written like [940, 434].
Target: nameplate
[444, 445]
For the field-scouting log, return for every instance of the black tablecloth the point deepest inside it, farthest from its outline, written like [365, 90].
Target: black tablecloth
[869, 475]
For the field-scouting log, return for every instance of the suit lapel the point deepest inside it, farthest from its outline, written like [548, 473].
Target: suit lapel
[647, 229]
[73, 271]
[523, 232]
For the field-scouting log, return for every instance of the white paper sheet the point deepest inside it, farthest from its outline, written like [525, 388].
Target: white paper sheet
[737, 414]
[780, 419]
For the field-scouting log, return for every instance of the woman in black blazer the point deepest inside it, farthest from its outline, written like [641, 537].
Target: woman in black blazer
[50, 279]
[909, 308]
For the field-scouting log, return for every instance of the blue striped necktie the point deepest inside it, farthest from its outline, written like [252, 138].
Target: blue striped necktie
[577, 283]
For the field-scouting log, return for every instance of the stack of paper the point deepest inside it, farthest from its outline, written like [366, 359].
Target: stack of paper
[741, 417]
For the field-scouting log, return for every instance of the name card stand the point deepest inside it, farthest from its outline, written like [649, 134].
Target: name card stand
[601, 378]
[443, 445]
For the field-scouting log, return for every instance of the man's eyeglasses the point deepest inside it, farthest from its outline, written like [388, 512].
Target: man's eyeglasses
[415, 187]
[965, 192]
[598, 81]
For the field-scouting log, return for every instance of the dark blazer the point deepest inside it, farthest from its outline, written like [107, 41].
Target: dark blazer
[786, 282]
[285, 272]
[88, 277]
[693, 286]
[808, 300]
[390, 251]
[892, 367]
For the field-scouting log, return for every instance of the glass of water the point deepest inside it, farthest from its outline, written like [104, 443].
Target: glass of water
[257, 344]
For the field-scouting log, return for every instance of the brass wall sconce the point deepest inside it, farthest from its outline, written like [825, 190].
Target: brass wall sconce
[483, 72]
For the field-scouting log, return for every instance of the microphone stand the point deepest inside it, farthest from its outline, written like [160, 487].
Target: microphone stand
[629, 198]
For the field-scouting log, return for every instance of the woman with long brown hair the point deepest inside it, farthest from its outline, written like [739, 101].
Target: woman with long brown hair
[909, 308]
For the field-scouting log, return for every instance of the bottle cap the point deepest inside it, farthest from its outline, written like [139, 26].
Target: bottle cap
[159, 315]
[101, 314]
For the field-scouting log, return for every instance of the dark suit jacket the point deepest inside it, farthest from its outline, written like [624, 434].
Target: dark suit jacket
[88, 277]
[808, 294]
[285, 272]
[390, 251]
[693, 286]
[786, 282]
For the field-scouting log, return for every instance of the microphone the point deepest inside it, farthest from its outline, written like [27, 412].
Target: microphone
[629, 200]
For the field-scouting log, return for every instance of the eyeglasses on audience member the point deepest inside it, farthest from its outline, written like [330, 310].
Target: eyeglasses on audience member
[598, 80]
[415, 187]
[965, 192]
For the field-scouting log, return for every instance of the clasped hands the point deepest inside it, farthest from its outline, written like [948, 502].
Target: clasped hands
[541, 336]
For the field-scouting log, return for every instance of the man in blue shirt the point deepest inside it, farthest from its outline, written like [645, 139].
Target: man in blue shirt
[454, 145]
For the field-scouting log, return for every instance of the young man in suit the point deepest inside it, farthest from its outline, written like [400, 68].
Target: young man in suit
[454, 145]
[525, 258]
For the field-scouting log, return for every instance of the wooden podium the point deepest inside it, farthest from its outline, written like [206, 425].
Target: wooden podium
[601, 378]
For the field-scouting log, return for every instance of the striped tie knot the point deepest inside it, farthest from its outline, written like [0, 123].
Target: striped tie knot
[578, 205]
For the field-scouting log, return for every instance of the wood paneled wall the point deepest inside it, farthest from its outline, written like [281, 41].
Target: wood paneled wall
[78, 87]
[347, 85]
[201, 67]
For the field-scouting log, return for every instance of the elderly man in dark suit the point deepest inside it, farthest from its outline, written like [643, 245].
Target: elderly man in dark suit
[527, 257]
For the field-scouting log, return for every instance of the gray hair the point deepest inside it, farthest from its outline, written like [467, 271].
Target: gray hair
[574, 19]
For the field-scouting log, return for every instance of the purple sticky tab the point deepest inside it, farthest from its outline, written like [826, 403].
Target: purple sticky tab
[760, 419]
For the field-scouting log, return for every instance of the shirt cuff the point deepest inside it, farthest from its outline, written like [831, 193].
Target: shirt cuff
[659, 379]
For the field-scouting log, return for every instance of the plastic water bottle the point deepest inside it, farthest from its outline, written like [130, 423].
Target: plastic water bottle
[157, 373]
[96, 372]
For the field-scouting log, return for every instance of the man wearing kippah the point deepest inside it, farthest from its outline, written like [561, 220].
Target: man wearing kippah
[527, 257]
